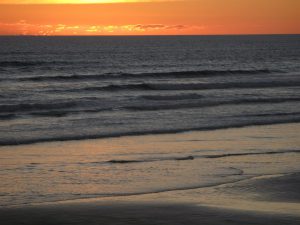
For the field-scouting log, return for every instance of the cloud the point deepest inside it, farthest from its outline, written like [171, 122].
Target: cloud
[149, 26]
[24, 28]
[160, 26]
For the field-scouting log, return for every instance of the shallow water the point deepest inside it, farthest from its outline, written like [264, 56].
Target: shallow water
[58, 171]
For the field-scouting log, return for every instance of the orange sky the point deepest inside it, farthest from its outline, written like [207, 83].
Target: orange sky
[37, 17]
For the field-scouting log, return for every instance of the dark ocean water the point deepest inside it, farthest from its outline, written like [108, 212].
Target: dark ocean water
[68, 88]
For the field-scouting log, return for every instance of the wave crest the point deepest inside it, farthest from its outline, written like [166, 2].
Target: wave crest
[112, 76]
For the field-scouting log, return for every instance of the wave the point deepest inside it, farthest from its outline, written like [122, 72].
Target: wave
[8, 112]
[192, 157]
[59, 113]
[33, 63]
[271, 114]
[191, 86]
[46, 110]
[250, 153]
[179, 74]
[56, 106]
[7, 116]
[11, 108]
[21, 63]
[203, 104]
[13, 141]
[52, 113]
[171, 97]
[118, 161]
[4, 64]
[66, 78]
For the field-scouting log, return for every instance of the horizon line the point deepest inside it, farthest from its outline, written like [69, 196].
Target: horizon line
[139, 35]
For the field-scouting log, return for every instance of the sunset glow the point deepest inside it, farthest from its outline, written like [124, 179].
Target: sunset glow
[155, 17]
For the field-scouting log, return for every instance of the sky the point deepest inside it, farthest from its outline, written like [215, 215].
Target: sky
[152, 17]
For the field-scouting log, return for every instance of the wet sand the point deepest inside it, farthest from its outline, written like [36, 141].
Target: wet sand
[175, 207]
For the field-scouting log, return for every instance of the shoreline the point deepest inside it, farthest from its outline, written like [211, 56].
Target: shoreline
[252, 173]
[144, 195]
[149, 133]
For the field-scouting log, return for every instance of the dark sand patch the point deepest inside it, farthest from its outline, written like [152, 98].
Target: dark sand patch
[282, 188]
[139, 214]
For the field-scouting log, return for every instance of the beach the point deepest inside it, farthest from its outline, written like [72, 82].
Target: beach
[150, 130]
[243, 186]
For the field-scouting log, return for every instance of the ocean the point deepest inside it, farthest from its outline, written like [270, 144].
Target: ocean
[82, 88]
[69, 88]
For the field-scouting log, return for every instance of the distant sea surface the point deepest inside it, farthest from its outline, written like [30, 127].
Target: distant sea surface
[69, 88]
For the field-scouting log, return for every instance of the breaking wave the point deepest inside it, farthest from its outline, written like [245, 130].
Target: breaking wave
[206, 103]
[191, 86]
[240, 124]
[180, 74]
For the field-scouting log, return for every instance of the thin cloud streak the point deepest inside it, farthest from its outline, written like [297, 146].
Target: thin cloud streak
[24, 28]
